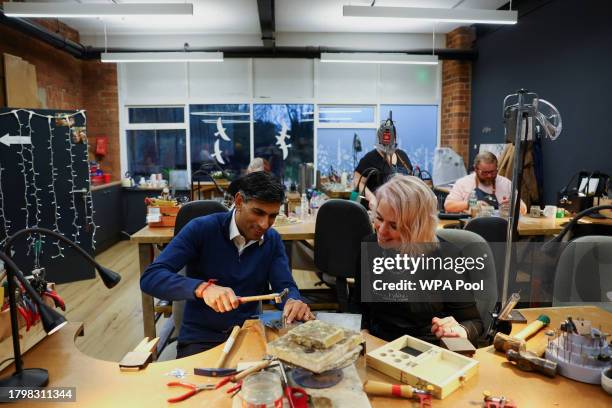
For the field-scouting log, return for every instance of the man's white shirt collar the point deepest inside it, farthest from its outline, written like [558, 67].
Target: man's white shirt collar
[237, 238]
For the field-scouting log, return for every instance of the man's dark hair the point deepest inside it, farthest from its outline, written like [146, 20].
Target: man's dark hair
[261, 186]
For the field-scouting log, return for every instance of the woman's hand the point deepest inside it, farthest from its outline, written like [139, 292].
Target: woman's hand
[447, 327]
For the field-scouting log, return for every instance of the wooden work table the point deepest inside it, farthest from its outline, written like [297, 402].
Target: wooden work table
[100, 383]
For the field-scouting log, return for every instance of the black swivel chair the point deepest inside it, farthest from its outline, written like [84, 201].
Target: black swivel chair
[493, 230]
[341, 226]
[188, 212]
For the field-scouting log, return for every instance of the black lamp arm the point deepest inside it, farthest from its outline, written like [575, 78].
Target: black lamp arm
[110, 278]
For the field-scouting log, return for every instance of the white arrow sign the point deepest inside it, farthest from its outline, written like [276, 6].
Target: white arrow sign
[9, 140]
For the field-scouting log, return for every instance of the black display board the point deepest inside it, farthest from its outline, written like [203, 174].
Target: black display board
[52, 169]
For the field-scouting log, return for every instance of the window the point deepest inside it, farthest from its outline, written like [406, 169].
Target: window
[220, 134]
[417, 131]
[336, 148]
[156, 140]
[284, 135]
[156, 151]
[156, 115]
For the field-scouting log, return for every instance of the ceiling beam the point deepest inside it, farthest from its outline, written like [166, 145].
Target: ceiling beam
[267, 22]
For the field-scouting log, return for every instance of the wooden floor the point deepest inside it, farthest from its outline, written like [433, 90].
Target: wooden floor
[113, 317]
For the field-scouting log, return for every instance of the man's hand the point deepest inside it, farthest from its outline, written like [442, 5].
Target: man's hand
[219, 298]
[447, 327]
[296, 310]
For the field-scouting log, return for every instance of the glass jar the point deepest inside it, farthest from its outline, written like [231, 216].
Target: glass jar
[262, 390]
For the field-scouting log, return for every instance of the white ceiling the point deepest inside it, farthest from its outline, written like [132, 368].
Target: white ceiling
[236, 22]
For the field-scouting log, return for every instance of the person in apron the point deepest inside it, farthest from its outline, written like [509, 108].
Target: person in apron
[489, 198]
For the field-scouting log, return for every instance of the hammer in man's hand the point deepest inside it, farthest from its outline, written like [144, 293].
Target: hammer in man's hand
[276, 297]
[503, 342]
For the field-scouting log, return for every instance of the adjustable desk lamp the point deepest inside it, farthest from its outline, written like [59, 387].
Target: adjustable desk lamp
[52, 321]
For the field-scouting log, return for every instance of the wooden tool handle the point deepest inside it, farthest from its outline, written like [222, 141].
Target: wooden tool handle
[251, 370]
[228, 346]
[245, 299]
[387, 390]
[532, 328]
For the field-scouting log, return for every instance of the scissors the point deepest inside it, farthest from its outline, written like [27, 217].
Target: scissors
[193, 389]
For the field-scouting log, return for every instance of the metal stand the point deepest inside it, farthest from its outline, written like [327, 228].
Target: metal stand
[521, 112]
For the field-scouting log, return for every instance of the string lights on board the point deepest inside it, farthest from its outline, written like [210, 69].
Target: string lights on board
[32, 202]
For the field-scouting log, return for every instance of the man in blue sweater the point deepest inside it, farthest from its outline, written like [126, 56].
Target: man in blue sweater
[226, 255]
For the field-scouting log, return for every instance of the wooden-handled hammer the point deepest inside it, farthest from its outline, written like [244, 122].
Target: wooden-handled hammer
[503, 342]
[276, 297]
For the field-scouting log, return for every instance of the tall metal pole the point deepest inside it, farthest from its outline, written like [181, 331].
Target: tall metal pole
[515, 197]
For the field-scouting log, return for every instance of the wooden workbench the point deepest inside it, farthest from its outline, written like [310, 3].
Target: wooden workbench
[100, 383]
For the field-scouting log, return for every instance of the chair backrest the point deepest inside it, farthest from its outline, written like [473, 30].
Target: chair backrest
[341, 226]
[492, 229]
[584, 272]
[189, 211]
[473, 245]
[194, 209]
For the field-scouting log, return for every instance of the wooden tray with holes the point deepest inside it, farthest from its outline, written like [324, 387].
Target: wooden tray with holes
[418, 363]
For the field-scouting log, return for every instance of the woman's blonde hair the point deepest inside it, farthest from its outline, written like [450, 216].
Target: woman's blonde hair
[415, 207]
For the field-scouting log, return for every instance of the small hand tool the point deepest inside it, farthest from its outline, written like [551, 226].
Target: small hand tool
[276, 297]
[193, 389]
[401, 391]
[244, 373]
[214, 372]
[497, 402]
[502, 342]
[218, 370]
[296, 396]
[528, 361]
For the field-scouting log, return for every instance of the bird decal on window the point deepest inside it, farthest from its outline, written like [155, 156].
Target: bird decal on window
[221, 130]
[217, 153]
[280, 141]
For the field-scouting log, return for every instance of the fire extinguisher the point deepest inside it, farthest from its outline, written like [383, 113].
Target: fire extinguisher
[101, 145]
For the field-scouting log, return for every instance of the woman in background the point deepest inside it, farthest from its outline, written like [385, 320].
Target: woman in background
[406, 214]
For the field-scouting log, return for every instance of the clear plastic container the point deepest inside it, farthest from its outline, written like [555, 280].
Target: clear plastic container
[262, 390]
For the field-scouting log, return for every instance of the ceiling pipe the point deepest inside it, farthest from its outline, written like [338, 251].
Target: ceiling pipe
[88, 53]
[58, 41]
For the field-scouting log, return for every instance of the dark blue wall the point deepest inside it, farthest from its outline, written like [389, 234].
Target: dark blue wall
[562, 50]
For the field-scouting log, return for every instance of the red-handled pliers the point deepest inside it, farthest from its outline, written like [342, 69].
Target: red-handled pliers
[26, 316]
[193, 389]
[57, 299]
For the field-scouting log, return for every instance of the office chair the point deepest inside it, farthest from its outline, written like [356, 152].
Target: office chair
[473, 245]
[492, 229]
[188, 212]
[584, 273]
[341, 226]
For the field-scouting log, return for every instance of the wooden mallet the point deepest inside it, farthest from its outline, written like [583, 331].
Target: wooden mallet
[503, 342]
[276, 297]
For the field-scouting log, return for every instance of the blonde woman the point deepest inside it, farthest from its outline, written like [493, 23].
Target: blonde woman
[406, 214]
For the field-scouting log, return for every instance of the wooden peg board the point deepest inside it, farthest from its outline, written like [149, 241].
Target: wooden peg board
[418, 363]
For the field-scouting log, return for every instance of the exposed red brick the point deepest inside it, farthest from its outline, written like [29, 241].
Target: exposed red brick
[455, 107]
[69, 83]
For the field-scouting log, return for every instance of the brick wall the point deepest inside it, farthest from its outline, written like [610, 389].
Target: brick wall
[456, 95]
[65, 82]
[101, 101]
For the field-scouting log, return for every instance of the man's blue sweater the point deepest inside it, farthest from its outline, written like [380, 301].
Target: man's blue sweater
[204, 248]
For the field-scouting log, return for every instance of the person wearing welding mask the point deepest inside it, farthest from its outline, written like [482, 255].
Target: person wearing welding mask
[491, 189]
[379, 164]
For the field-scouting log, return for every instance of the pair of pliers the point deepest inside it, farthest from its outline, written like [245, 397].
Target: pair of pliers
[193, 389]
[57, 299]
